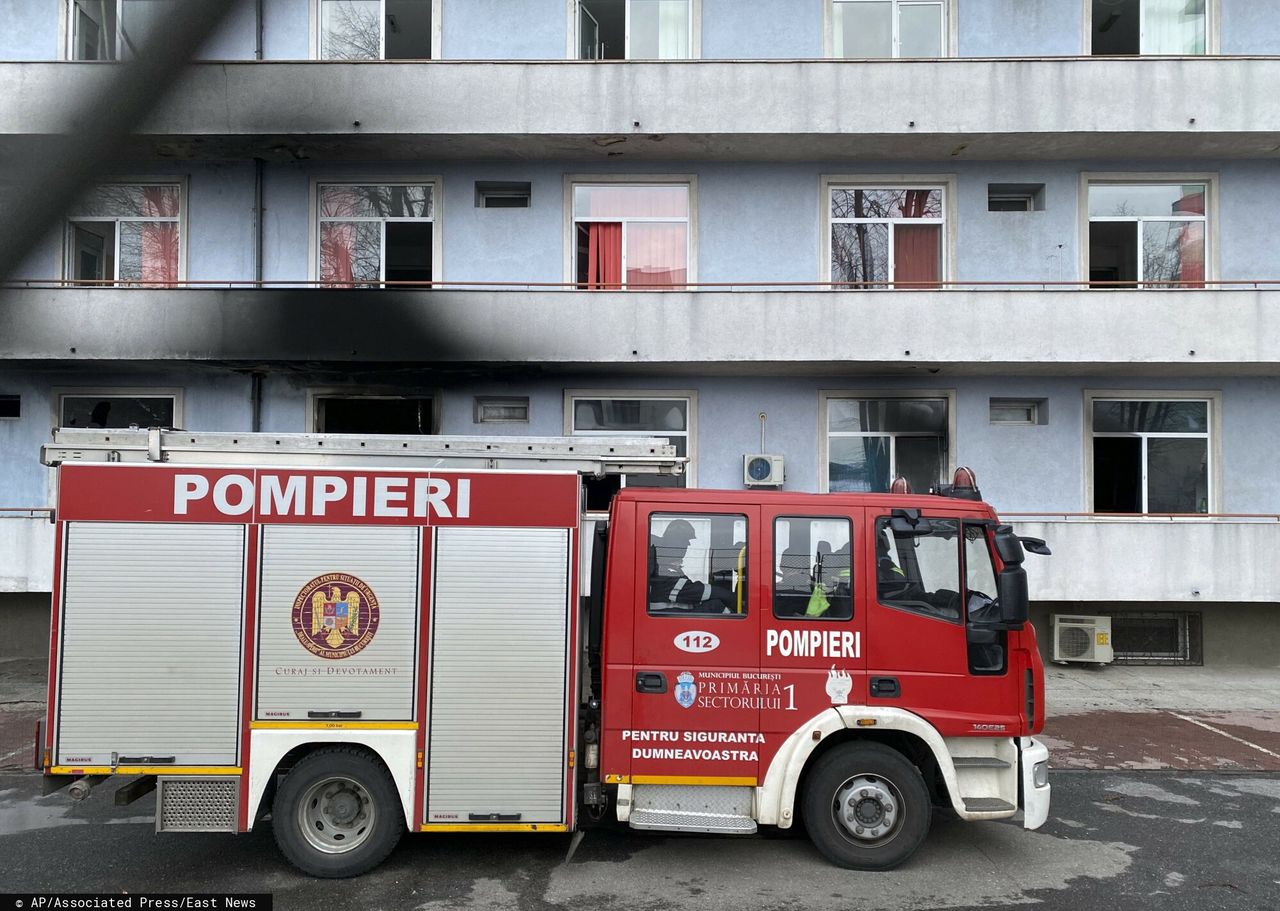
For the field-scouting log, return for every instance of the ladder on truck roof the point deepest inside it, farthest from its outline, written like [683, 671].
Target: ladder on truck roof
[585, 455]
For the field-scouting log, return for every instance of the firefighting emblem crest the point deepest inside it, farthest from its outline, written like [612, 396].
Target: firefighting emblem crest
[686, 690]
[335, 615]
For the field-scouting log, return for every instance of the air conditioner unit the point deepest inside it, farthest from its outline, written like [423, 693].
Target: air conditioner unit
[1086, 639]
[762, 470]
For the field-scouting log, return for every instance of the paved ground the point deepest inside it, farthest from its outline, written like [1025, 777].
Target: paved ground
[1181, 718]
[1128, 830]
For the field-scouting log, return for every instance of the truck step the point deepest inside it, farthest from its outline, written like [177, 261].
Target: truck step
[726, 810]
[988, 805]
[685, 821]
[979, 762]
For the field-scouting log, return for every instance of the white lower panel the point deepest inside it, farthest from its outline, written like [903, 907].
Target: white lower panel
[498, 705]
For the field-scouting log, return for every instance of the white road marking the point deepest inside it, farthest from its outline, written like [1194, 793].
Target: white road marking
[1209, 727]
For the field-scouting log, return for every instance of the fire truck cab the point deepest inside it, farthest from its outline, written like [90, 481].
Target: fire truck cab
[357, 637]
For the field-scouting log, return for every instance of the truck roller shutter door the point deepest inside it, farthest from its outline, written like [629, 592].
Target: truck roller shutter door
[151, 643]
[496, 749]
[338, 622]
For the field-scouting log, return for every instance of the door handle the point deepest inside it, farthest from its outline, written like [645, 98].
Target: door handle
[650, 682]
[885, 687]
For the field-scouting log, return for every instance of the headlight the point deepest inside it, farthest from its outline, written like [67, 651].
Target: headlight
[1040, 774]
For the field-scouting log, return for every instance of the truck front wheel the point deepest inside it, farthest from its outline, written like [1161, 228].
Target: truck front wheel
[866, 806]
[337, 813]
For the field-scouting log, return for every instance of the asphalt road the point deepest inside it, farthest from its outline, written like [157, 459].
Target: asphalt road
[1115, 840]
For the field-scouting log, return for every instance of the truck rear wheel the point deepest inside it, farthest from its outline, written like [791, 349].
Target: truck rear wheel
[866, 807]
[337, 813]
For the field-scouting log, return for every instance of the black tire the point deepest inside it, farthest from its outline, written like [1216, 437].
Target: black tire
[883, 792]
[337, 813]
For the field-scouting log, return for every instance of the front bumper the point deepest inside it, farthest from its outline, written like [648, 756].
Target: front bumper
[1034, 761]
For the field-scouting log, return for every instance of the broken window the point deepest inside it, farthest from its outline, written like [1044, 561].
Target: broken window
[126, 233]
[888, 28]
[90, 410]
[1147, 235]
[886, 236]
[631, 236]
[631, 415]
[375, 29]
[365, 414]
[871, 441]
[1151, 455]
[634, 29]
[1133, 27]
[371, 233]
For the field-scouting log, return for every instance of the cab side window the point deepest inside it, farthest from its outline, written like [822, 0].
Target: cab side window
[812, 568]
[697, 565]
[920, 572]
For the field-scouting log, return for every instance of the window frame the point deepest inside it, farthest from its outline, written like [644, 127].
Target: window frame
[691, 420]
[177, 393]
[436, 220]
[824, 440]
[944, 182]
[68, 244]
[67, 33]
[881, 521]
[316, 393]
[950, 31]
[695, 35]
[1213, 399]
[480, 402]
[1212, 37]
[1151, 178]
[690, 181]
[314, 47]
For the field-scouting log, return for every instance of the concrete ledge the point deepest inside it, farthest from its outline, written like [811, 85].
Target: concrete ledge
[1221, 107]
[1141, 332]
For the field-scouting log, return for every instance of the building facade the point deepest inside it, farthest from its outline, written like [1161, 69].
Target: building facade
[873, 237]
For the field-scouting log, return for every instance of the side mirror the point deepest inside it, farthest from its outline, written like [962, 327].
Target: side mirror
[1009, 546]
[1036, 546]
[1011, 587]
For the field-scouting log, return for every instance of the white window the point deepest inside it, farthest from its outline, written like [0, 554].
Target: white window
[631, 235]
[129, 233]
[1148, 233]
[1133, 27]
[667, 414]
[888, 28]
[501, 409]
[118, 408]
[1152, 453]
[377, 29]
[1016, 411]
[111, 29]
[635, 29]
[376, 232]
[886, 236]
[872, 439]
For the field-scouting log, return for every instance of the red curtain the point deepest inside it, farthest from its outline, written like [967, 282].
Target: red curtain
[917, 255]
[604, 256]
[657, 255]
[1191, 254]
[159, 253]
[337, 244]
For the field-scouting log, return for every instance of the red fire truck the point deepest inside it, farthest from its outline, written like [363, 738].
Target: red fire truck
[356, 637]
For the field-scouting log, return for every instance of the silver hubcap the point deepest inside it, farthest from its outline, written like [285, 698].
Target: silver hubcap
[336, 815]
[869, 810]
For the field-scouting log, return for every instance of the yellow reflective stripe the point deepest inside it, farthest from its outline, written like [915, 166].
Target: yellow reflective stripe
[742, 581]
[334, 725]
[144, 770]
[693, 779]
[496, 827]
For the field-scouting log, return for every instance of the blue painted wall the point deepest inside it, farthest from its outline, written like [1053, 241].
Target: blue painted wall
[1017, 28]
[761, 29]
[501, 30]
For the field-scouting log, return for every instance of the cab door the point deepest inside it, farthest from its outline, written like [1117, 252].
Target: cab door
[919, 655]
[812, 632]
[695, 693]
